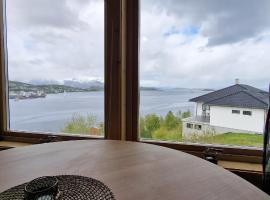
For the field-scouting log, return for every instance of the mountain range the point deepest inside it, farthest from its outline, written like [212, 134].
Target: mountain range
[15, 86]
[53, 87]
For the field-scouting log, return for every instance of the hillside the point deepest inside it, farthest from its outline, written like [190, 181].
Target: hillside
[15, 86]
[71, 86]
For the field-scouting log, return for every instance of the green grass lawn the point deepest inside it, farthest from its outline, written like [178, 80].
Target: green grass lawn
[236, 139]
[239, 139]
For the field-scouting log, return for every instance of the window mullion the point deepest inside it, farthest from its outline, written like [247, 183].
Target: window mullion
[4, 122]
[113, 83]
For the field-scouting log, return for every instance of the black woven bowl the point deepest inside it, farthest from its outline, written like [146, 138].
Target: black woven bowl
[69, 187]
[43, 188]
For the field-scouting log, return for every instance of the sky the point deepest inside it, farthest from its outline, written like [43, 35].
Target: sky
[183, 43]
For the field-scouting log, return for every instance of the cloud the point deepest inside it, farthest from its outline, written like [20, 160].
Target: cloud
[184, 43]
[41, 13]
[223, 21]
[229, 40]
[59, 40]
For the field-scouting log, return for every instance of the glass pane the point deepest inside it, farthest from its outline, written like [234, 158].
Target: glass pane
[56, 65]
[204, 71]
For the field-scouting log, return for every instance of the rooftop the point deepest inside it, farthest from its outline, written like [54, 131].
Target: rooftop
[238, 95]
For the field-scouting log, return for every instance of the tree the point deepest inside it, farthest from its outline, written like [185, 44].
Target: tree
[143, 132]
[101, 128]
[148, 125]
[178, 116]
[171, 122]
[152, 122]
[80, 124]
[186, 114]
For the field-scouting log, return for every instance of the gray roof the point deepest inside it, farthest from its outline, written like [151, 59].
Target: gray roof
[238, 95]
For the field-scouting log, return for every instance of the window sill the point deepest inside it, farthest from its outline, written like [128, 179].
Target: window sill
[37, 138]
[242, 166]
[10, 144]
[227, 153]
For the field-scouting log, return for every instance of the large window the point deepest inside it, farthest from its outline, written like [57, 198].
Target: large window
[201, 61]
[197, 69]
[56, 66]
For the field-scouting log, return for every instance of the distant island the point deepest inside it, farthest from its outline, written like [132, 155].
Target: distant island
[15, 86]
[21, 90]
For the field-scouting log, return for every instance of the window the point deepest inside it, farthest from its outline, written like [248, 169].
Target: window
[191, 72]
[190, 125]
[198, 127]
[235, 111]
[173, 51]
[247, 112]
[206, 107]
[56, 66]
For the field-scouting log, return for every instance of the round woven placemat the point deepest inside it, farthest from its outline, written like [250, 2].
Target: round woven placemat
[71, 187]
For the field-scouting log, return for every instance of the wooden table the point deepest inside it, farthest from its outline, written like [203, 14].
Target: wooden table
[132, 170]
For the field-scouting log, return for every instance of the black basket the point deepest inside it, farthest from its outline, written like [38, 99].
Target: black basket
[43, 188]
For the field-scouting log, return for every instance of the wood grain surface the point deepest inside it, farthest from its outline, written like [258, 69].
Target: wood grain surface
[132, 170]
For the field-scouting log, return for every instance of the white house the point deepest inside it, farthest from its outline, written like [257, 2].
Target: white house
[238, 108]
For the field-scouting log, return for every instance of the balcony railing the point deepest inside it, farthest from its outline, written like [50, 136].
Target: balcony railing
[198, 118]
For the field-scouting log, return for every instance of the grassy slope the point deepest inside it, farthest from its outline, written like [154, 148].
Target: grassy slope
[239, 139]
[236, 139]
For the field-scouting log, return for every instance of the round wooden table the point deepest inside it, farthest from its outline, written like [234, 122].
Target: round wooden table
[132, 170]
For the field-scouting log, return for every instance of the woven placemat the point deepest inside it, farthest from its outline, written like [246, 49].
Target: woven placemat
[71, 188]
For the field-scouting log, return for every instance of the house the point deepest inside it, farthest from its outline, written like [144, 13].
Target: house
[238, 108]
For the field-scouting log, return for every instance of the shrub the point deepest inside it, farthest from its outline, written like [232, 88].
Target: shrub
[148, 125]
[143, 132]
[171, 121]
[168, 135]
[186, 114]
[152, 123]
[80, 124]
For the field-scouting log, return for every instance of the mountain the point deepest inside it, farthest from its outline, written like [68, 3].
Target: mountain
[93, 85]
[88, 85]
[52, 87]
[15, 86]
[142, 88]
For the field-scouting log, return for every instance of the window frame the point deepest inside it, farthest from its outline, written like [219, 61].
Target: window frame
[190, 126]
[4, 115]
[112, 89]
[198, 127]
[121, 88]
[238, 112]
[228, 152]
[247, 111]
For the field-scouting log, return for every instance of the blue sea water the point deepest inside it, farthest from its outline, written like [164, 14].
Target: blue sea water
[50, 114]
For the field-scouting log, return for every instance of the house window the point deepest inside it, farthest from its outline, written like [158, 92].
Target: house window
[206, 107]
[247, 113]
[235, 111]
[189, 125]
[56, 66]
[198, 127]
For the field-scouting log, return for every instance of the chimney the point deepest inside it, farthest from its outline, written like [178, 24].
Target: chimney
[237, 81]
